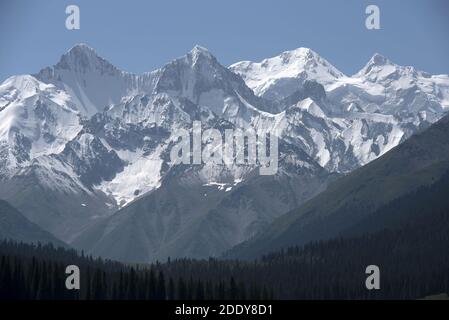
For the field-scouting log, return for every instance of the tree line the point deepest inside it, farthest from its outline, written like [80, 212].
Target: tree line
[37, 272]
[410, 247]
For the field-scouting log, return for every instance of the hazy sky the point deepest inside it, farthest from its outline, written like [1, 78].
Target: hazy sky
[140, 36]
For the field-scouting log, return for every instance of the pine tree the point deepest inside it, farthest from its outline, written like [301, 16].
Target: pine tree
[161, 293]
[233, 291]
[199, 291]
[182, 290]
[171, 289]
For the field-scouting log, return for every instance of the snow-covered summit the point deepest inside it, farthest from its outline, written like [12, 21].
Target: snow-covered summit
[92, 82]
[82, 58]
[198, 51]
[19, 87]
[278, 77]
[36, 118]
[377, 60]
[379, 68]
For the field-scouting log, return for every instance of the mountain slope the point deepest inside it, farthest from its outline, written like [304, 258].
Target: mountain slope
[35, 119]
[419, 161]
[332, 269]
[82, 140]
[14, 226]
[188, 218]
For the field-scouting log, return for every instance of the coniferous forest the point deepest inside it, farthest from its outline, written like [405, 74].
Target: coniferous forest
[411, 250]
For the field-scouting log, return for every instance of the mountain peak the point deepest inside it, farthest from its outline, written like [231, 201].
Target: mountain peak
[21, 82]
[83, 58]
[200, 52]
[287, 70]
[378, 59]
[305, 53]
[21, 86]
[81, 47]
[80, 51]
[197, 49]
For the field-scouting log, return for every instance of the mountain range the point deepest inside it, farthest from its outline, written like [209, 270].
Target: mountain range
[361, 202]
[84, 148]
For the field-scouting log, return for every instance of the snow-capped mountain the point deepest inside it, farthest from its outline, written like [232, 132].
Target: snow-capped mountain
[91, 81]
[407, 93]
[36, 119]
[366, 114]
[83, 139]
[379, 87]
[278, 77]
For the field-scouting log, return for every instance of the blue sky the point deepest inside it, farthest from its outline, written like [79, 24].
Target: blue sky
[140, 36]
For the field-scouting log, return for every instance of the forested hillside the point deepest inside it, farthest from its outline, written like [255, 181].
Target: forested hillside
[413, 258]
[418, 162]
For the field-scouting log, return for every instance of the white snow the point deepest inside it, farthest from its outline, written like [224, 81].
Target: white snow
[301, 63]
[369, 109]
[141, 175]
[40, 112]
